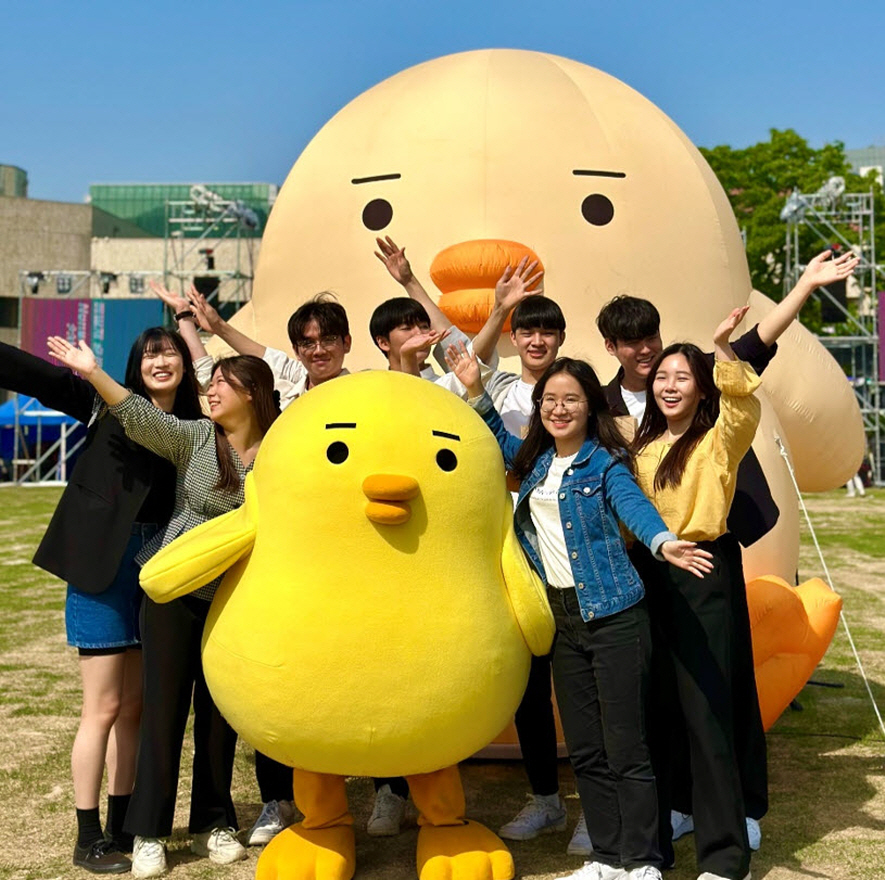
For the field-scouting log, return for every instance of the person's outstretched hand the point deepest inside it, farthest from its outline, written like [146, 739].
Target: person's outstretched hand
[688, 556]
[80, 358]
[394, 259]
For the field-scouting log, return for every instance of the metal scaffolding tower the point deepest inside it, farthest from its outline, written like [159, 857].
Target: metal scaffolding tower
[194, 228]
[847, 219]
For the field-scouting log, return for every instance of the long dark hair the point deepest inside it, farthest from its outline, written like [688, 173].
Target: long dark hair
[600, 422]
[151, 342]
[254, 376]
[654, 422]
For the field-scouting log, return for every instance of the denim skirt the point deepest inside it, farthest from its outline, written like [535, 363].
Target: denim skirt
[97, 621]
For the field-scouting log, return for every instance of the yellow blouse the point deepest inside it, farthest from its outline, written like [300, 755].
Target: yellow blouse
[697, 509]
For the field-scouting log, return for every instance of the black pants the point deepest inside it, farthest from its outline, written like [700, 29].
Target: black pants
[749, 734]
[600, 670]
[173, 672]
[695, 663]
[274, 779]
[536, 729]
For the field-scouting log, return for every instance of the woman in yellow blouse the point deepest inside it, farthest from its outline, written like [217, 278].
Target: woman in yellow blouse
[698, 426]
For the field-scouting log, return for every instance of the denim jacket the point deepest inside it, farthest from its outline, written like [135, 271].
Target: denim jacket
[597, 491]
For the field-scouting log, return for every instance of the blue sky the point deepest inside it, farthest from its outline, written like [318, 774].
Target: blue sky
[186, 91]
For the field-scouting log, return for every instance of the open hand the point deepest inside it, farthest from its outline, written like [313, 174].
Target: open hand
[723, 332]
[464, 365]
[205, 314]
[514, 285]
[822, 271]
[81, 359]
[687, 555]
[422, 343]
[394, 258]
[172, 300]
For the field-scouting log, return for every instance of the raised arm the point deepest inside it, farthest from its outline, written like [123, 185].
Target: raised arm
[185, 318]
[394, 259]
[512, 288]
[465, 367]
[820, 272]
[54, 386]
[722, 335]
[143, 422]
[212, 322]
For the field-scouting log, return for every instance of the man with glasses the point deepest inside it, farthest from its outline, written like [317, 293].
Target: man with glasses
[320, 336]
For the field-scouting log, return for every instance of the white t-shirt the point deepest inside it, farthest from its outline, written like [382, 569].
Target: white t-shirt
[544, 510]
[516, 407]
[635, 403]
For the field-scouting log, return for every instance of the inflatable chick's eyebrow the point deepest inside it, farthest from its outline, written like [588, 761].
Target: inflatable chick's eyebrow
[612, 198]
[377, 617]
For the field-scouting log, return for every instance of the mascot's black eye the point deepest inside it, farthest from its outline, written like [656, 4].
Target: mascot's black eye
[337, 452]
[446, 459]
[377, 214]
[597, 209]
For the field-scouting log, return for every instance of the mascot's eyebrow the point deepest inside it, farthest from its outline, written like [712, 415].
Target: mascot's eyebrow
[376, 178]
[580, 172]
[444, 434]
[340, 425]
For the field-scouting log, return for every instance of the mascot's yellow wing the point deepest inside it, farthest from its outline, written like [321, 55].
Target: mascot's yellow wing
[528, 597]
[202, 554]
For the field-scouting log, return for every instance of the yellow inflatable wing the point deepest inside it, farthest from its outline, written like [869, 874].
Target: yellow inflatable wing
[528, 598]
[202, 554]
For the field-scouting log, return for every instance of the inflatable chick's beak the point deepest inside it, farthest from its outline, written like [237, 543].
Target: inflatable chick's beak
[467, 272]
[389, 496]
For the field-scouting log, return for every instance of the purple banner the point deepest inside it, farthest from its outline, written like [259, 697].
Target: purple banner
[109, 326]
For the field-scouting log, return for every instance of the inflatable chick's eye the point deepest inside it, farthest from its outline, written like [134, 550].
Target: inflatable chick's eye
[475, 159]
[377, 505]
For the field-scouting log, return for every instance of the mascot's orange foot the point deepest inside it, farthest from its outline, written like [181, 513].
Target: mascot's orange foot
[316, 854]
[462, 852]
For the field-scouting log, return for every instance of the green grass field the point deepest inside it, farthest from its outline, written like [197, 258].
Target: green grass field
[827, 817]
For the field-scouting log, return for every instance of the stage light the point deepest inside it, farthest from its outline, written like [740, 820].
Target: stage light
[33, 280]
[106, 279]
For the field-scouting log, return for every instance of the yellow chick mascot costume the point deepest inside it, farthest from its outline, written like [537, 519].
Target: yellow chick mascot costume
[378, 618]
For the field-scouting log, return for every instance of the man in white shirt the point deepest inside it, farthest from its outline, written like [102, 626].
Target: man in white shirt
[320, 337]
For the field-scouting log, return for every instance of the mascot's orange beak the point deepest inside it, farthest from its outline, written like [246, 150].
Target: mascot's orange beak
[389, 496]
[466, 273]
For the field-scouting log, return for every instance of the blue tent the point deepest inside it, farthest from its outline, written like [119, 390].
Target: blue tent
[37, 425]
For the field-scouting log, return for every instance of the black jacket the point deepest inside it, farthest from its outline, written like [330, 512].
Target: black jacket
[753, 511]
[90, 528]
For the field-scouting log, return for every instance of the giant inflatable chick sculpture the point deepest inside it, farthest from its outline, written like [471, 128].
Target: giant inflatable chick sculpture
[500, 151]
[379, 617]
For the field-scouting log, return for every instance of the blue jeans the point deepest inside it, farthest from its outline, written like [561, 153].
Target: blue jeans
[97, 621]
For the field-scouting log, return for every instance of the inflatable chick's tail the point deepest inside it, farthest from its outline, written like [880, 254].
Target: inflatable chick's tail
[527, 595]
[321, 846]
[792, 629]
[202, 554]
[449, 846]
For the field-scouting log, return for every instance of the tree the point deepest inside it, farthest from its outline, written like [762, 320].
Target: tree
[758, 180]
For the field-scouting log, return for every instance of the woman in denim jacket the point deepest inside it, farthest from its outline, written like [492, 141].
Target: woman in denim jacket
[576, 486]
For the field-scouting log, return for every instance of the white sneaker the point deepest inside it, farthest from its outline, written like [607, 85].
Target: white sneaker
[681, 823]
[387, 813]
[596, 871]
[708, 876]
[275, 816]
[646, 872]
[148, 857]
[754, 833]
[580, 844]
[220, 844]
[538, 816]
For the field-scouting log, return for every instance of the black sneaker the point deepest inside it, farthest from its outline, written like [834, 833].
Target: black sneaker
[101, 857]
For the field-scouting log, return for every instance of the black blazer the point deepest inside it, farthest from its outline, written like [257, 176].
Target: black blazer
[753, 511]
[90, 528]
